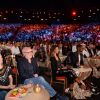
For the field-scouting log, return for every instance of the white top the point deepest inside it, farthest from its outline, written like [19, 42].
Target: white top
[74, 49]
[85, 52]
[15, 50]
[98, 53]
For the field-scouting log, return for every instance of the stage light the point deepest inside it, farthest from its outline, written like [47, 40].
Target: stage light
[79, 16]
[93, 13]
[74, 13]
[20, 16]
[4, 18]
[33, 16]
[42, 19]
[90, 10]
[89, 16]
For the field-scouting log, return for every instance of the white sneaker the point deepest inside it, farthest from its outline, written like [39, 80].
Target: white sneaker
[66, 90]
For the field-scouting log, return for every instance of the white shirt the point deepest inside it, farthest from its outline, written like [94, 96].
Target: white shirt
[74, 49]
[15, 50]
[98, 53]
[85, 52]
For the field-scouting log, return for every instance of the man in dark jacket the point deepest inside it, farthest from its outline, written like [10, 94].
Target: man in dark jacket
[75, 59]
[28, 70]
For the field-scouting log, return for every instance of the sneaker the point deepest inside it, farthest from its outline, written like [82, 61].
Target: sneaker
[95, 92]
[67, 90]
[92, 85]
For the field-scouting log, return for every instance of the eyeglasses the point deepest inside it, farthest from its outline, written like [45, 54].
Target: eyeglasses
[28, 52]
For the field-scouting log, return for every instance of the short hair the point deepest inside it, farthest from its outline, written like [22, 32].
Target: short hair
[79, 46]
[27, 45]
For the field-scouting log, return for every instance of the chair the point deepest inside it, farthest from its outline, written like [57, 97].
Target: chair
[59, 80]
[15, 69]
[15, 74]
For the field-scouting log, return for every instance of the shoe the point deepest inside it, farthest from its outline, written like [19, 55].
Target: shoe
[95, 92]
[92, 85]
[54, 97]
[67, 90]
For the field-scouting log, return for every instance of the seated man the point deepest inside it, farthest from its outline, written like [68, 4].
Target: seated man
[28, 70]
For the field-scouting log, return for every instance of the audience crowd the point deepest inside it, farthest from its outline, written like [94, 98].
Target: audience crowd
[70, 32]
[29, 54]
[64, 50]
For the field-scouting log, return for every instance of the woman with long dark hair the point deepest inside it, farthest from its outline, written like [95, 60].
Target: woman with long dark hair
[58, 69]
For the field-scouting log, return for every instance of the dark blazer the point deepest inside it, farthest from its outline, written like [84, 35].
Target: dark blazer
[65, 50]
[90, 53]
[73, 59]
[27, 70]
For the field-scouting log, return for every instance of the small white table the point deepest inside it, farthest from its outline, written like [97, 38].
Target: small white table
[83, 73]
[43, 95]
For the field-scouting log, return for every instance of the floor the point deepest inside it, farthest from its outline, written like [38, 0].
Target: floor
[59, 88]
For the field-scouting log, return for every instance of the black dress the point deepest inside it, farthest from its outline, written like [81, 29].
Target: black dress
[69, 73]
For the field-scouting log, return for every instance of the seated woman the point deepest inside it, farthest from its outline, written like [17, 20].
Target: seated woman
[6, 80]
[58, 69]
[28, 70]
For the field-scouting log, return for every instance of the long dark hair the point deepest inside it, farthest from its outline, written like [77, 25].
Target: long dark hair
[52, 50]
[6, 55]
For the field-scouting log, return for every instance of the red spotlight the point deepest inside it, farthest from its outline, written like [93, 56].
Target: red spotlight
[73, 13]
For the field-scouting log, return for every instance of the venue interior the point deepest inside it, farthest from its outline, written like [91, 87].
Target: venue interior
[49, 49]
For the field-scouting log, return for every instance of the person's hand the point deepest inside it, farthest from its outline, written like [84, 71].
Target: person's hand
[78, 64]
[64, 68]
[29, 85]
[35, 75]
[11, 86]
[59, 69]
[62, 65]
[69, 67]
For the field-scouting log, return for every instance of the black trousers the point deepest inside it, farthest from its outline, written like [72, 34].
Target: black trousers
[68, 73]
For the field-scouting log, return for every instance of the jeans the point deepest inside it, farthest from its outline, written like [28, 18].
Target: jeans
[40, 80]
[2, 95]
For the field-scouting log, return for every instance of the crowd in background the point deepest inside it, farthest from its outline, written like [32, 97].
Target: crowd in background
[67, 39]
[70, 32]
